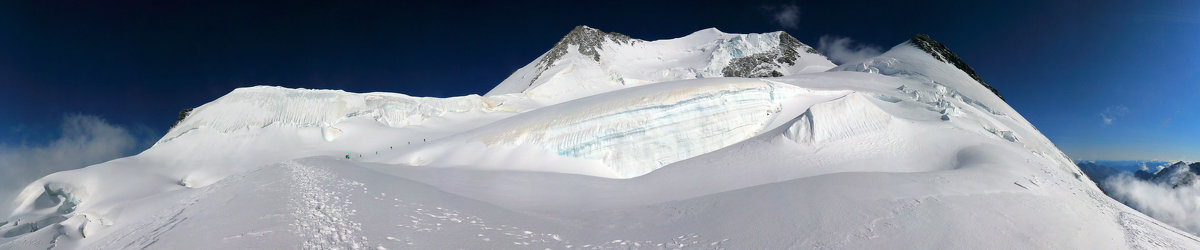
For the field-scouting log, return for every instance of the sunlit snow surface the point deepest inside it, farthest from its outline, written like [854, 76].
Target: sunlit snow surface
[898, 151]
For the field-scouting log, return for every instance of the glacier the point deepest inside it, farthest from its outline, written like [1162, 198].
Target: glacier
[637, 130]
[622, 143]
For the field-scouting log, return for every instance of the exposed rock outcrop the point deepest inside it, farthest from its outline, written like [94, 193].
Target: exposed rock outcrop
[182, 114]
[587, 40]
[767, 64]
[939, 51]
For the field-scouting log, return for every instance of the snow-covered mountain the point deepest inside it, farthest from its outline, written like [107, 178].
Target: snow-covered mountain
[588, 61]
[1178, 174]
[1173, 175]
[606, 142]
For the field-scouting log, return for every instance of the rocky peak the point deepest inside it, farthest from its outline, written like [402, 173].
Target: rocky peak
[939, 51]
[588, 40]
[182, 114]
[766, 64]
[792, 47]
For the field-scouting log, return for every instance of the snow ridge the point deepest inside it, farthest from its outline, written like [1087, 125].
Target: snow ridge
[941, 53]
[262, 106]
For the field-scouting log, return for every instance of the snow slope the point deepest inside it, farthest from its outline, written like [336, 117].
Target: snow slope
[898, 151]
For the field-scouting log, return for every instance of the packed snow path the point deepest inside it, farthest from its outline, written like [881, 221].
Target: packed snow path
[321, 207]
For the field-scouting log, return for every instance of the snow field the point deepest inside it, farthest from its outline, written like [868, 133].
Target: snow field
[897, 151]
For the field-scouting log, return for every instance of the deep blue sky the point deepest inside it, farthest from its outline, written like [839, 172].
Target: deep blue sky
[136, 64]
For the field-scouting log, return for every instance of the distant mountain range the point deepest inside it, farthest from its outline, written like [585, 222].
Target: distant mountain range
[1166, 191]
[1160, 172]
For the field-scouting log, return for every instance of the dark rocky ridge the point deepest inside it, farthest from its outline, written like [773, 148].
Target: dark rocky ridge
[182, 114]
[939, 51]
[765, 64]
[588, 41]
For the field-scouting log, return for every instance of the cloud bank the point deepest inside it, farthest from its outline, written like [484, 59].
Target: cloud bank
[843, 50]
[83, 140]
[1179, 207]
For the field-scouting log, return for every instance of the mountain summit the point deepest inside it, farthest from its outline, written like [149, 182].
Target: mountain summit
[588, 61]
[939, 51]
[587, 41]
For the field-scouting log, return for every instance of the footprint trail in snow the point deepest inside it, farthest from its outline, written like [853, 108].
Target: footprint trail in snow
[322, 213]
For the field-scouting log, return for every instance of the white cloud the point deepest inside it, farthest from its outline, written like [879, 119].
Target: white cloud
[842, 50]
[787, 16]
[1112, 112]
[84, 140]
[1179, 207]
